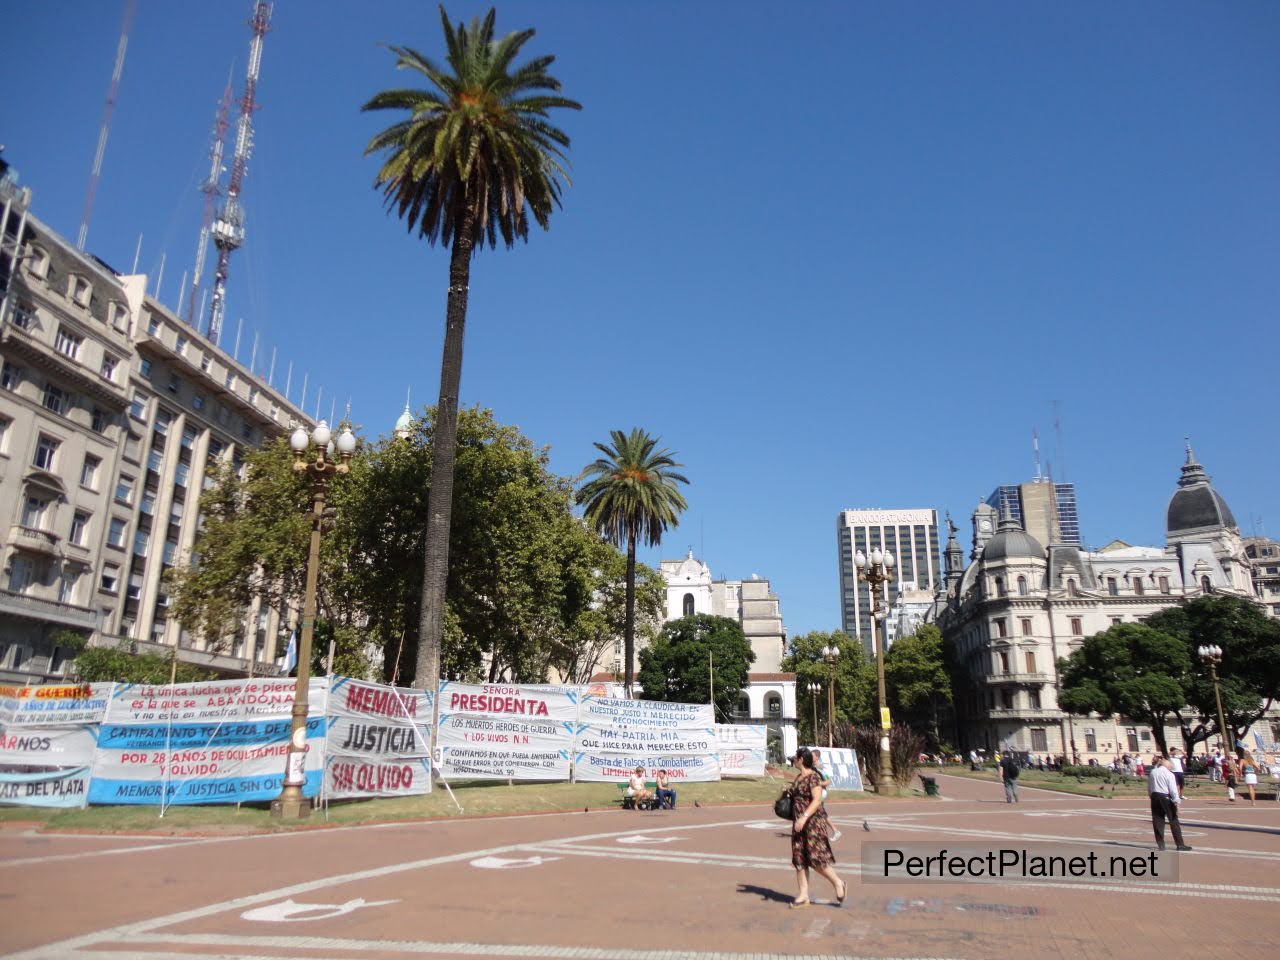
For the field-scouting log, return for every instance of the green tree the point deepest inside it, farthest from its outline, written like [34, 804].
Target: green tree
[1249, 674]
[1130, 669]
[474, 158]
[631, 494]
[119, 664]
[917, 682]
[677, 666]
[855, 679]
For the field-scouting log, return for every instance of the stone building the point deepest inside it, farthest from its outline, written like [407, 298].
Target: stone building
[1264, 570]
[1021, 605]
[113, 413]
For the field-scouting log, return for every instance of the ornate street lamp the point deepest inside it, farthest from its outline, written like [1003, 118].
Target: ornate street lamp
[325, 457]
[832, 656]
[1211, 656]
[876, 571]
[814, 689]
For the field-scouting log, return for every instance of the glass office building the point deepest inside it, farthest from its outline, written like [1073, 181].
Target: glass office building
[1033, 507]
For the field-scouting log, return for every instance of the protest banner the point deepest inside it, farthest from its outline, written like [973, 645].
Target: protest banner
[841, 765]
[65, 787]
[491, 762]
[47, 746]
[620, 766]
[469, 730]
[377, 741]
[594, 739]
[54, 704]
[510, 700]
[216, 742]
[608, 711]
[742, 749]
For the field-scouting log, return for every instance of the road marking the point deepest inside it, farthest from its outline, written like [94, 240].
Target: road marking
[647, 839]
[288, 911]
[503, 863]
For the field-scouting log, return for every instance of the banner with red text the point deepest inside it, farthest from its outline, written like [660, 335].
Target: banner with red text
[606, 711]
[54, 704]
[492, 762]
[592, 739]
[743, 749]
[620, 766]
[510, 700]
[377, 741]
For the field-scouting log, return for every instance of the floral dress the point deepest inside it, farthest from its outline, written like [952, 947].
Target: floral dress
[810, 847]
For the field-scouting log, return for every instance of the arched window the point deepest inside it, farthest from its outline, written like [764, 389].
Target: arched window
[1022, 586]
[688, 604]
[744, 705]
[999, 586]
[773, 705]
[1205, 585]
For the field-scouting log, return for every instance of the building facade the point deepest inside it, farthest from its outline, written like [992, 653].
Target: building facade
[1021, 605]
[912, 537]
[114, 415]
[1046, 510]
[1264, 571]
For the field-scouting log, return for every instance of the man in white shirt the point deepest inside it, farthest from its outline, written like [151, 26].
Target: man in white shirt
[1163, 789]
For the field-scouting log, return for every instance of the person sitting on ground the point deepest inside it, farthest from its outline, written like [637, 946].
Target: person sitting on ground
[666, 796]
[636, 788]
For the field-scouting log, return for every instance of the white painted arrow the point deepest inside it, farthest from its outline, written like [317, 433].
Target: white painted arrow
[502, 863]
[644, 839]
[287, 911]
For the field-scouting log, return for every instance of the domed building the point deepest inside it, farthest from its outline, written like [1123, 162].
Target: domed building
[1020, 606]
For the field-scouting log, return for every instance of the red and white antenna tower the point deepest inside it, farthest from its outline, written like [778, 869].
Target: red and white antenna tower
[228, 227]
[129, 7]
[212, 189]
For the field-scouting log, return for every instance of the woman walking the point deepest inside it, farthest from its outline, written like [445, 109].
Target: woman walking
[811, 832]
[1249, 770]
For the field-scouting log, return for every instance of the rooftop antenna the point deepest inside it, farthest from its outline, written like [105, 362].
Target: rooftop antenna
[212, 189]
[288, 381]
[136, 254]
[113, 88]
[228, 227]
[1035, 443]
[271, 370]
[1057, 429]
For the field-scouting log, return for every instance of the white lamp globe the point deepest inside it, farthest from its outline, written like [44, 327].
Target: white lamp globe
[346, 442]
[321, 434]
[888, 559]
[877, 556]
[298, 440]
[860, 560]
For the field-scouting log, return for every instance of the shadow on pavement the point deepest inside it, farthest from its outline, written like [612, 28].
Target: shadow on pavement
[765, 893]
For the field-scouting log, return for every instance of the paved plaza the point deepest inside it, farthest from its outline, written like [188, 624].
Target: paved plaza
[699, 883]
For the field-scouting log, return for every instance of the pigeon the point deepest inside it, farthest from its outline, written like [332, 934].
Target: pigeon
[696, 803]
[866, 826]
[586, 809]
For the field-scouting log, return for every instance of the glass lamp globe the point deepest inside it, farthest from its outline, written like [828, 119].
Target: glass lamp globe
[860, 561]
[321, 434]
[298, 440]
[346, 442]
[877, 557]
[888, 560]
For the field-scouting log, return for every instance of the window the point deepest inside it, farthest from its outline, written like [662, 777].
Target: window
[170, 551]
[1022, 586]
[1116, 621]
[188, 437]
[1006, 699]
[1164, 584]
[33, 511]
[155, 460]
[79, 528]
[1002, 627]
[80, 290]
[39, 262]
[1131, 735]
[56, 399]
[148, 502]
[230, 380]
[138, 408]
[1113, 588]
[22, 573]
[140, 543]
[24, 316]
[253, 395]
[115, 532]
[145, 367]
[5, 424]
[206, 362]
[1030, 656]
[1137, 586]
[134, 589]
[174, 383]
[1026, 626]
[688, 605]
[124, 489]
[10, 376]
[99, 420]
[1072, 591]
[182, 345]
[1039, 739]
[1077, 628]
[181, 474]
[197, 401]
[68, 343]
[89, 472]
[1205, 585]
[109, 364]
[153, 326]
[1004, 661]
[46, 453]
[773, 705]
[1033, 700]
[246, 431]
[1090, 740]
[1146, 736]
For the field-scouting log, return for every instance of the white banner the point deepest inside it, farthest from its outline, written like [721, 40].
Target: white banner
[605, 711]
[620, 766]
[469, 730]
[55, 704]
[494, 763]
[257, 698]
[68, 787]
[510, 700]
[841, 765]
[743, 749]
[592, 739]
[48, 746]
[377, 742]
[358, 777]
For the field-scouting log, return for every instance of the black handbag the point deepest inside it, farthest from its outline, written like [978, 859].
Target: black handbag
[783, 806]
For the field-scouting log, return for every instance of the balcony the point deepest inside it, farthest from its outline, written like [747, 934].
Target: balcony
[43, 355]
[35, 540]
[1016, 677]
[49, 611]
[1024, 713]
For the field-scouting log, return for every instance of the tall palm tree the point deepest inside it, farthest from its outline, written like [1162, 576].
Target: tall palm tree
[631, 494]
[474, 158]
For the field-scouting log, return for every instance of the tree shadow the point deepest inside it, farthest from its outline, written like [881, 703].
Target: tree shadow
[766, 893]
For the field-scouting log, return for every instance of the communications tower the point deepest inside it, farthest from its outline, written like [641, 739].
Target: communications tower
[211, 188]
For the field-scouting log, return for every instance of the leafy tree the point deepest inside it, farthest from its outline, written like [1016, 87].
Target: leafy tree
[1131, 669]
[472, 160]
[1249, 673]
[855, 677]
[917, 682]
[630, 494]
[105, 664]
[677, 666]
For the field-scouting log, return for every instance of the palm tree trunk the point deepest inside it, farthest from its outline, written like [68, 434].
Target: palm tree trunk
[444, 442]
[629, 633]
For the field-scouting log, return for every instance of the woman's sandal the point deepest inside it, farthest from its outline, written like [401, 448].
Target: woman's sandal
[799, 904]
[844, 889]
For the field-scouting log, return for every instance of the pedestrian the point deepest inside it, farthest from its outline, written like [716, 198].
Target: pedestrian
[1275, 775]
[1163, 791]
[1009, 776]
[826, 784]
[973, 759]
[1215, 767]
[810, 832]
[1229, 775]
[1249, 774]
[1179, 767]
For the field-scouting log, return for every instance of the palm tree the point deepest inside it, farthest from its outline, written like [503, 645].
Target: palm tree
[474, 158]
[630, 494]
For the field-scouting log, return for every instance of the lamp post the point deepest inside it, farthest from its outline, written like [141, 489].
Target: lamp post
[814, 689]
[1211, 655]
[876, 571]
[321, 464]
[831, 655]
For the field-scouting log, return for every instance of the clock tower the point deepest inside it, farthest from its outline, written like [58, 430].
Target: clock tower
[985, 519]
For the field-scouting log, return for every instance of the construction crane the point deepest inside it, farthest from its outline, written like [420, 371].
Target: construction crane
[130, 6]
[212, 189]
[228, 226]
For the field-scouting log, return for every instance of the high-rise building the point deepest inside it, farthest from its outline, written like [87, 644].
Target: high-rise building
[113, 415]
[1047, 510]
[912, 537]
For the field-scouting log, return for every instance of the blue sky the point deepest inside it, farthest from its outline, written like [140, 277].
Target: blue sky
[836, 255]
